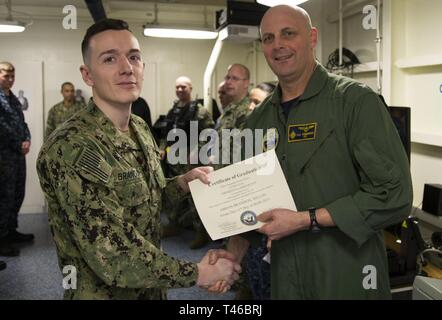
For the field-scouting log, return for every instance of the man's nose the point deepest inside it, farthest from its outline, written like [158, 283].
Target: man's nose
[279, 43]
[126, 66]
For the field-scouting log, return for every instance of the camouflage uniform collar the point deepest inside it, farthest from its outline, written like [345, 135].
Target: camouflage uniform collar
[119, 140]
[314, 86]
[244, 101]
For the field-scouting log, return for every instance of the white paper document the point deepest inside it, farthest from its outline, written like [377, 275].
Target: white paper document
[237, 194]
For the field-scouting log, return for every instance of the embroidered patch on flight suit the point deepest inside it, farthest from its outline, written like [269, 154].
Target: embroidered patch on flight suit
[302, 132]
[94, 165]
[270, 140]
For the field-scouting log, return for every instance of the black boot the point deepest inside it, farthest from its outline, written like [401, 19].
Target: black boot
[16, 237]
[6, 250]
[2, 265]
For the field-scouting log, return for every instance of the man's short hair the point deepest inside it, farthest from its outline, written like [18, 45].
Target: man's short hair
[67, 83]
[243, 67]
[6, 66]
[98, 27]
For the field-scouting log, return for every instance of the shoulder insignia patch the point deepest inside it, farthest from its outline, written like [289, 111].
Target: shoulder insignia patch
[94, 165]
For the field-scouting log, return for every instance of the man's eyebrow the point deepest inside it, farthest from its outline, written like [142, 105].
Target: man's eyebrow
[110, 51]
[114, 51]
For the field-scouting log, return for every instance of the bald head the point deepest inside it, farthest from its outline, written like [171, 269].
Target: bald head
[288, 43]
[184, 79]
[183, 90]
[294, 11]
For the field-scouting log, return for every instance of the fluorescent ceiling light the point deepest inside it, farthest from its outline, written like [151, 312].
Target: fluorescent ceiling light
[178, 33]
[272, 3]
[11, 26]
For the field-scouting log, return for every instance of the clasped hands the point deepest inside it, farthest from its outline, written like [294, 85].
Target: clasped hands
[217, 271]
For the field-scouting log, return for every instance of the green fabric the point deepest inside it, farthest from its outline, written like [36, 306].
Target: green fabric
[353, 164]
[59, 113]
[104, 194]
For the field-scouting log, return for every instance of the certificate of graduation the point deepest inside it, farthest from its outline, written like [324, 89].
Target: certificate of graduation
[237, 194]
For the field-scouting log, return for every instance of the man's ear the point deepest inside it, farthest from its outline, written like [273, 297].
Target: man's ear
[87, 77]
[314, 37]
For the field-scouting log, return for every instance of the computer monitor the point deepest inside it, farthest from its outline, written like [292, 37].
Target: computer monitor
[402, 119]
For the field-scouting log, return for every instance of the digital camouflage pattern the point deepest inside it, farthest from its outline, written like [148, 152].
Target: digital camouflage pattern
[59, 114]
[233, 117]
[104, 195]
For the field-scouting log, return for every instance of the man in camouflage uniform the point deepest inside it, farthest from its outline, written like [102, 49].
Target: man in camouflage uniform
[101, 175]
[185, 111]
[236, 85]
[64, 109]
[15, 141]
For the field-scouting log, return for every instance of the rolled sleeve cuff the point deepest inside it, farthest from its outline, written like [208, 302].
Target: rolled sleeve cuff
[349, 220]
[187, 275]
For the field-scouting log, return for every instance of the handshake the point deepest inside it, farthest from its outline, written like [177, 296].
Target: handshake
[217, 271]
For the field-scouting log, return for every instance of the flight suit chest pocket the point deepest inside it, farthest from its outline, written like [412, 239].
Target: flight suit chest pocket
[130, 187]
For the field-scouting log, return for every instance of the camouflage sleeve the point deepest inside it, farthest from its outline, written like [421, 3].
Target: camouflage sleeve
[162, 144]
[111, 246]
[50, 124]
[241, 118]
[173, 191]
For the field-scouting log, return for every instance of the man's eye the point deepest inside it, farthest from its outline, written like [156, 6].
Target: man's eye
[135, 58]
[109, 59]
[267, 39]
[288, 33]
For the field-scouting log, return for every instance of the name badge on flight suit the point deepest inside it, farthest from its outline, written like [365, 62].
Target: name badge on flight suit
[302, 132]
[270, 140]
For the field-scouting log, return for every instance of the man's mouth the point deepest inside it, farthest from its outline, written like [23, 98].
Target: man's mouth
[127, 83]
[283, 57]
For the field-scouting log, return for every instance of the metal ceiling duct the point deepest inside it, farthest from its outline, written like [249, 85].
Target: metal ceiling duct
[96, 9]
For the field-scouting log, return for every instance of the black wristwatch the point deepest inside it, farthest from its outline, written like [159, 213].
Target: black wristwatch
[314, 225]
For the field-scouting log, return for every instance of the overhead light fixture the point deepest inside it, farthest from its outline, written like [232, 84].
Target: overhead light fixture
[272, 3]
[10, 25]
[178, 33]
[157, 30]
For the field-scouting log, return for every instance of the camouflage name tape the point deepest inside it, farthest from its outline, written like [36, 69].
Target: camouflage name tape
[94, 164]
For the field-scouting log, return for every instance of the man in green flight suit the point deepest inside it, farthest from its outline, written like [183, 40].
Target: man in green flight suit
[102, 179]
[345, 166]
[63, 110]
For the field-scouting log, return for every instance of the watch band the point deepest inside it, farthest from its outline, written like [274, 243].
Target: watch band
[314, 225]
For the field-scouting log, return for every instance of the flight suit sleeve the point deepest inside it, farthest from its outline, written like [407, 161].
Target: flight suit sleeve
[111, 246]
[385, 194]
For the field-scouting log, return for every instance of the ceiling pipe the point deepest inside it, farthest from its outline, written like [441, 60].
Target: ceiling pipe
[96, 9]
